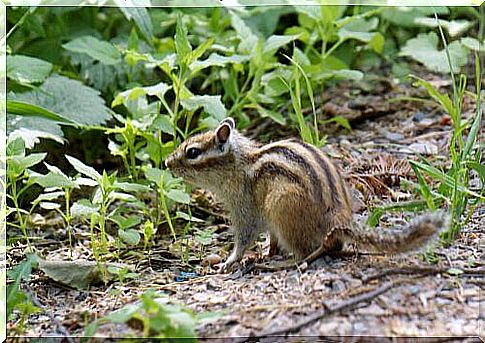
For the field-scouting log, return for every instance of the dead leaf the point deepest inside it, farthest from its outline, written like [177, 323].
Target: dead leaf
[77, 274]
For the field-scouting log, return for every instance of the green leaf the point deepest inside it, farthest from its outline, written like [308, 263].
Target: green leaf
[46, 205]
[454, 27]
[185, 216]
[125, 222]
[424, 49]
[473, 44]
[155, 175]
[454, 271]
[84, 169]
[424, 189]
[215, 59]
[16, 165]
[83, 208]
[51, 180]
[124, 314]
[26, 69]
[132, 187]
[140, 17]
[26, 109]
[97, 49]
[275, 42]
[78, 274]
[48, 196]
[68, 99]
[248, 40]
[129, 236]
[212, 104]
[442, 98]
[377, 43]
[15, 146]
[178, 196]
[163, 123]
[157, 90]
[182, 45]
[276, 116]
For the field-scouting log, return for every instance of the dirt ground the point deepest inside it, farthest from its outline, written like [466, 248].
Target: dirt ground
[354, 295]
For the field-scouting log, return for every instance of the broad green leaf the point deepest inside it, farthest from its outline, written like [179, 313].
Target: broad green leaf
[200, 50]
[155, 175]
[377, 43]
[124, 314]
[26, 69]
[125, 223]
[83, 181]
[46, 205]
[163, 123]
[178, 196]
[276, 116]
[454, 27]
[275, 42]
[424, 49]
[157, 90]
[48, 196]
[16, 165]
[132, 187]
[78, 274]
[248, 40]
[26, 109]
[185, 216]
[215, 59]
[15, 146]
[84, 169]
[97, 49]
[140, 17]
[31, 136]
[341, 74]
[83, 208]
[473, 44]
[51, 180]
[69, 99]
[122, 196]
[129, 236]
[406, 16]
[212, 104]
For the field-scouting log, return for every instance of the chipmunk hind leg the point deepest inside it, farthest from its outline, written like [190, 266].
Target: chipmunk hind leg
[292, 221]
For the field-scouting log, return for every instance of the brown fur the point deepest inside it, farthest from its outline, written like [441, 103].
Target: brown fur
[289, 189]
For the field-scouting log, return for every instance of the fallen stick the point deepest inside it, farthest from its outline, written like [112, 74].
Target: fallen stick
[331, 309]
[421, 270]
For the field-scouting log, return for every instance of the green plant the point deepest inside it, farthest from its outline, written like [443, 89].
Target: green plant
[157, 317]
[18, 299]
[18, 180]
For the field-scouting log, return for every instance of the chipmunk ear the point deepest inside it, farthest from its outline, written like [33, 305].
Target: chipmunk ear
[223, 132]
[229, 121]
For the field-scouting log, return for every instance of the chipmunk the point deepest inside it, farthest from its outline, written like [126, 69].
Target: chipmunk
[287, 188]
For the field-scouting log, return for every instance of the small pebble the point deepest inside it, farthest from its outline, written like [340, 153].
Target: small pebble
[419, 116]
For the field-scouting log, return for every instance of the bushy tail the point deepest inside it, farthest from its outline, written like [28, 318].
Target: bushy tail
[416, 235]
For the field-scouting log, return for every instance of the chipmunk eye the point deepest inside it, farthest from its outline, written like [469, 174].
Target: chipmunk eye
[192, 153]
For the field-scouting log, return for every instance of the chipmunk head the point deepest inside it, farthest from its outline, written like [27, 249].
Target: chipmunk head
[200, 158]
